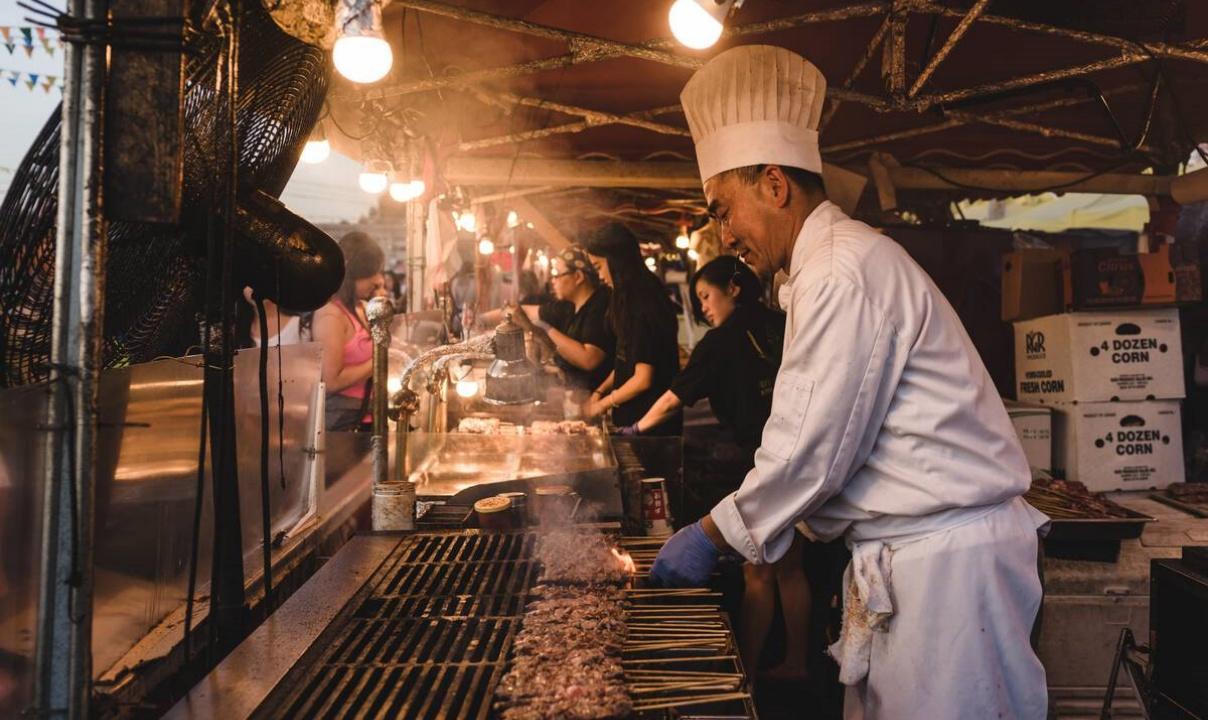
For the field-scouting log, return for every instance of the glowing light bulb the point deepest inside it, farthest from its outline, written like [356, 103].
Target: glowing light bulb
[513, 219]
[682, 242]
[466, 221]
[698, 23]
[693, 255]
[372, 182]
[543, 261]
[486, 247]
[466, 388]
[362, 59]
[361, 53]
[394, 384]
[315, 151]
[652, 263]
[407, 191]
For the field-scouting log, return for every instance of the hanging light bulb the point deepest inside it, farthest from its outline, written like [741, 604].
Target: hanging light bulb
[374, 177]
[513, 219]
[466, 388]
[698, 23]
[681, 241]
[486, 246]
[467, 222]
[652, 264]
[403, 190]
[543, 261]
[317, 149]
[361, 53]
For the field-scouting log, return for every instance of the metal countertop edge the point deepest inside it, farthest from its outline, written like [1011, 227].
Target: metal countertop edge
[245, 678]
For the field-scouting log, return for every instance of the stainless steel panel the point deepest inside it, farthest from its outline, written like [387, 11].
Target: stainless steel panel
[147, 478]
[147, 468]
[22, 456]
[300, 366]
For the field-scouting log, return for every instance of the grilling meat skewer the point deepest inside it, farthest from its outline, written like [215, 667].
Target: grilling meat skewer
[566, 660]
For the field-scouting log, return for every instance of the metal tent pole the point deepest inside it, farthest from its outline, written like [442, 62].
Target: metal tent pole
[63, 682]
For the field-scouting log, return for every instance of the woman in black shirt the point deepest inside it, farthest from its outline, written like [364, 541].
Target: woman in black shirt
[643, 319]
[575, 326]
[734, 366]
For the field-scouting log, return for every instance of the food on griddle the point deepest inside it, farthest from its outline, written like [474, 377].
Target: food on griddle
[1196, 493]
[566, 659]
[562, 427]
[479, 426]
[1071, 500]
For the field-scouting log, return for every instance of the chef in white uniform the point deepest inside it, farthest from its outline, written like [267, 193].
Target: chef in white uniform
[885, 428]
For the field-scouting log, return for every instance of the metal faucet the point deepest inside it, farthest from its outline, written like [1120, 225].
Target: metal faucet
[509, 378]
[405, 402]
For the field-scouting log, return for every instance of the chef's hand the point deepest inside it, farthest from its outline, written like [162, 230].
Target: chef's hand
[629, 431]
[687, 559]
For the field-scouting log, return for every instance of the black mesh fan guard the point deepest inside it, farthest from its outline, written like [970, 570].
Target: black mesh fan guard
[155, 274]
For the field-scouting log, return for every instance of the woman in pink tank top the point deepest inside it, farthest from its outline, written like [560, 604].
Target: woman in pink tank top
[343, 330]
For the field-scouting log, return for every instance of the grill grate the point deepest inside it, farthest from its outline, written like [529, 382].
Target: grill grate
[431, 639]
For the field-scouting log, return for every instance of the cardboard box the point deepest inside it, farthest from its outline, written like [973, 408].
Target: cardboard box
[1102, 278]
[1031, 284]
[1034, 427]
[1170, 275]
[1119, 445]
[1098, 357]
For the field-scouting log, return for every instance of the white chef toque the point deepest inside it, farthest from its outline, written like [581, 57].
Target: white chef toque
[754, 105]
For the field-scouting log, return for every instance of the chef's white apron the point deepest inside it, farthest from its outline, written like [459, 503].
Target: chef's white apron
[956, 646]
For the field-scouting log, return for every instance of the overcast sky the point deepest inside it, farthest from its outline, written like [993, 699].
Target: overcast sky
[323, 193]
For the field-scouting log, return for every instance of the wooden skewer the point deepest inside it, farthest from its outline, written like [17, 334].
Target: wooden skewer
[631, 662]
[680, 674]
[675, 646]
[700, 700]
[679, 686]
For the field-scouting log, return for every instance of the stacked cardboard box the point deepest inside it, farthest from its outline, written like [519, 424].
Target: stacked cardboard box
[1036, 283]
[1114, 381]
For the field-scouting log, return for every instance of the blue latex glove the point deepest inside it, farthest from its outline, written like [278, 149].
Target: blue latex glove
[629, 431]
[687, 559]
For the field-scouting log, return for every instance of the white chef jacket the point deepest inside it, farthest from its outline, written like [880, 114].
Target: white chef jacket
[886, 428]
[884, 420]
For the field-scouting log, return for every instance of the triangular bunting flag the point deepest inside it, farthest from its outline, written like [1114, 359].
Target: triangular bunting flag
[50, 49]
[41, 33]
[48, 83]
[30, 81]
[10, 46]
[6, 32]
[28, 35]
[29, 51]
[12, 78]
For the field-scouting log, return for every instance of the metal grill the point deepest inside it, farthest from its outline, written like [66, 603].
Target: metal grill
[432, 637]
[431, 640]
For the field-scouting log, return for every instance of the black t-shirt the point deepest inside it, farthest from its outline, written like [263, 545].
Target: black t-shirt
[589, 326]
[735, 365]
[652, 338]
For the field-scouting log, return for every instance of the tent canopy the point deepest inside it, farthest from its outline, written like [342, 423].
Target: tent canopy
[491, 92]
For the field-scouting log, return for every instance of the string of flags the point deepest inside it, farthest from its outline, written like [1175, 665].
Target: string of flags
[25, 38]
[19, 78]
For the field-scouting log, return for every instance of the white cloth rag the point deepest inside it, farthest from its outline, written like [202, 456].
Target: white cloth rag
[867, 607]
